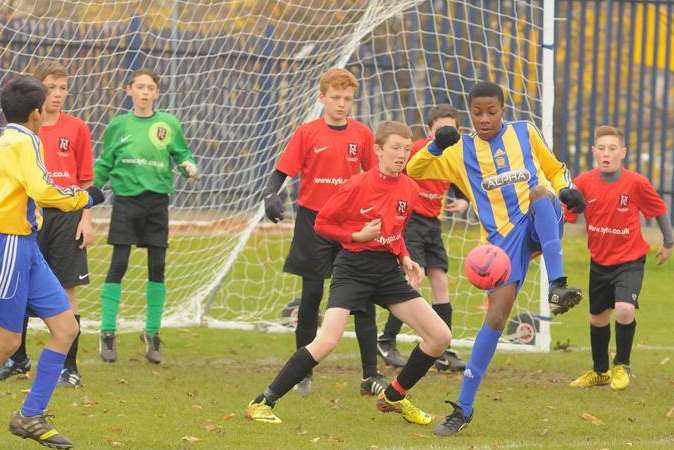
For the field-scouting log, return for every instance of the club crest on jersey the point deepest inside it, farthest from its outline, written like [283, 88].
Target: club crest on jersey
[352, 152]
[64, 144]
[499, 158]
[623, 202]
[161, 133]
[402, 207]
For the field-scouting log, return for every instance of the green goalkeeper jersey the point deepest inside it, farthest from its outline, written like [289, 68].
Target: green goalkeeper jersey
[139, 154]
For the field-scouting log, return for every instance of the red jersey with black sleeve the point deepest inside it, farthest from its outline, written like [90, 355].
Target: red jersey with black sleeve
[365, 197]
[431, 192]
[612, 215]
[67, 151]
[326, 158]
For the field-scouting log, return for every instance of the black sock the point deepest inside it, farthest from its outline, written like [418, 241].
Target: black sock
[414, 370]
[599, 339]
[366, 333]
[298, 366]
[71, 358]
[307, 313]
[444, 310]
[624, 336]
[20, 353]
[391, 329]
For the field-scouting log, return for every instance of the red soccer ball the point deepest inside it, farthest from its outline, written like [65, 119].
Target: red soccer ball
[487, 266]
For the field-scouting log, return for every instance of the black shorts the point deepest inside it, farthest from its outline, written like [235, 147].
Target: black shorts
[310, 255]
[60, 248]
[366, 277]
[621, 282]
[423, 238]
[141, 220]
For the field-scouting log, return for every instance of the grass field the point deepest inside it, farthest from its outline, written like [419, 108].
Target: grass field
[195, 400]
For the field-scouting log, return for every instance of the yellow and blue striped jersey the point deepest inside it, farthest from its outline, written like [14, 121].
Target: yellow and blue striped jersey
[496, 175]
[25, 183]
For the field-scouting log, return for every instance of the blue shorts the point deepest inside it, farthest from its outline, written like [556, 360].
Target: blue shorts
[27, 284]
[523, 244]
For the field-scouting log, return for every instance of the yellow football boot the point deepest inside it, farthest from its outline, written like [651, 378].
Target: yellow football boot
[592, 378]
[261, 412]
[404, 407]
[620, 377]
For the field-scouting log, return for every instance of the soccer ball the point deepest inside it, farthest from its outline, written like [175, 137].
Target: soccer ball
[487, 266]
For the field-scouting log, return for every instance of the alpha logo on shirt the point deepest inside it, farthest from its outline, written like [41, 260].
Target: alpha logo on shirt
[505, 178]
[160, 135]
[623, 201]
[352, 153]
[64, 144]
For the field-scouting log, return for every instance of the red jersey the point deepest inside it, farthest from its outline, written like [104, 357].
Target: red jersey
[612, 215]
[67, 151]
[368, 196]
[431, 192]
[326, 158]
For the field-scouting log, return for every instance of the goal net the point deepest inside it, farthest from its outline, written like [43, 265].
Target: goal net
[241, 75]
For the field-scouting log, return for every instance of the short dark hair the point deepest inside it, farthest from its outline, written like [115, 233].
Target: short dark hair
[486, 89]
[442, 112]
[20, 97]
[150, 73]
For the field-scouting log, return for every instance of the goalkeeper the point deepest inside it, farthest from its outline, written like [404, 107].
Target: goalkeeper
[140, 149]
[27, 284]
[511, 178]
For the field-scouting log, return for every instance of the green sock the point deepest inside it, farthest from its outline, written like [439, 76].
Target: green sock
[156, 296]
[110, 295]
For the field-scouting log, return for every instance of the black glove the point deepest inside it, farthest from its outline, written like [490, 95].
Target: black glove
[95, 196]
[573, 199]
[273, 207]
[444, 137]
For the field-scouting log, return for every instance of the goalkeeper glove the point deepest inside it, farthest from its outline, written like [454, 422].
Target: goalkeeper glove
[444, 137]
[573, 199]
[273, 207]
[190, 169]
[95, 196]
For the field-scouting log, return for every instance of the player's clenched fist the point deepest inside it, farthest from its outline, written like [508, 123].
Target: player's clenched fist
[273, 207]
[444, 137]
[573, 199]
[369, 232]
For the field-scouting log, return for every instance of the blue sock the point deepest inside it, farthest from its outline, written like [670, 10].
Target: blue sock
[48, 371]
[546, 223]
[483, 351]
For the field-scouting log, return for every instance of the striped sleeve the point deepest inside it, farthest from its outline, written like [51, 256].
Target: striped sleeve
[555, 171]
[35, 179]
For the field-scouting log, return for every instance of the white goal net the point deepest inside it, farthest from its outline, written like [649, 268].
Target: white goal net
[241, 75]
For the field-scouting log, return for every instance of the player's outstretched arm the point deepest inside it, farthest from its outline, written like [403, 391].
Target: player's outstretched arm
[35, 180]
[430, 162]
[182, 155]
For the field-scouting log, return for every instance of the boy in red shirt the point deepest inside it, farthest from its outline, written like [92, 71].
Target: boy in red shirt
[615, 197]
[325, 153]
[423, 237]
[64, 236]
[367, 216]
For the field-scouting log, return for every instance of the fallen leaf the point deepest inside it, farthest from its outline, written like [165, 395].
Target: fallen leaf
[122, 381]
[116, 444]
[670, 414]
[190, 439]
[544, 432]
[229, 416]
[197, 407]
[664, 361]
[316, 439]
[594, 420]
